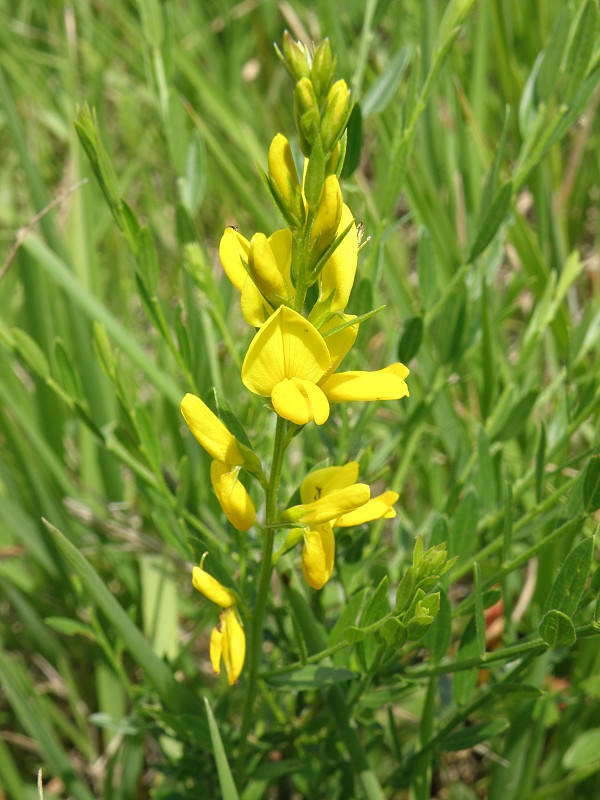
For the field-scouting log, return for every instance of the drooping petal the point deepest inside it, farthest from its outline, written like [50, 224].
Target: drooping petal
[337, 277]
[377, 508]
[210, 431]
[232, 249]
[318, 555]
[321, 482]
[383, 384]
[286, 346]
[329, 507]
[216, 646]
[232, 495]
[300, 401]
[233, 645]
[211, 588]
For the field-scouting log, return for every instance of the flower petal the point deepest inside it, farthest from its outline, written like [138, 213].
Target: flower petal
[211, 588]
[233, 248]
[264, 268]
[383, 384]
[320, 482]
[329, 507]
[234, 645]
[318, 556]
[337, 276]
[216, 644]
[286, 346]
[232, 496]
[300, 401]
[341, 342]
[377, 508]
[210, 431]
[254, 306]
[282, 169]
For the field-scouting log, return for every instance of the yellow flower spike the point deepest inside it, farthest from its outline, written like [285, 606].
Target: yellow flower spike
[232, 249]
[288, 348]
[383, 384]
[328, 214]
[228, 641]
[377, 508]
[329, 506]
[321, 482]
[318, 555]
[264, 269]
[211, 588]
[210, 431]
[232, 495]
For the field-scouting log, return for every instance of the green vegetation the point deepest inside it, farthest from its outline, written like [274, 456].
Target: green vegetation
[129, 136]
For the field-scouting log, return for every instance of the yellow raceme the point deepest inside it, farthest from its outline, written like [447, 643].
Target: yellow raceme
[289, 361]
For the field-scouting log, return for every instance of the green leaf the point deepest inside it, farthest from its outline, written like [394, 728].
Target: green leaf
[70, 627]
[377, 607]
[493, 219]
[540, 463]
[519, 689]
[479, 618]
[569, 585]
[411, 339]
[553, 55]
[354, 142]
[152, 22]
[580, 50]
[146, 431]
[30, 351]
[454, 15]
[406, 589]
[353, 634]
[147, 261]
[475, 734]
[393, 632]
[193, 185]
[557, 630]
[464, 681]
[516, 418]
[584, 750]
[487, 480]
[426, 268]
[449, 324]
[464, 527]
[488, 387]
[315, 175]
[312, 676]
[507, 527]
[228, 790]
[383, 89]
[439, 636]
[346, 618]
[69, 377]
[591, 484]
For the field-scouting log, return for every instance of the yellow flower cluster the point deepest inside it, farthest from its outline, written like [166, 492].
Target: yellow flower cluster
[295, 354]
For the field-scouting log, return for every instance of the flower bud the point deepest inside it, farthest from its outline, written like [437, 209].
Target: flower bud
[263, 268]
[306, 114]
[284, 179]
[328, 215]
[318, 556]
[297, 58]
[322, 70]
[336, 114]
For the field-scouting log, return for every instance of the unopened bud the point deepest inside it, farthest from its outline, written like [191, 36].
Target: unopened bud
[284, 179]
[322, 70]
[306, 114]
[263, 268]
[336, 114]
[328, 214]
[297, 57]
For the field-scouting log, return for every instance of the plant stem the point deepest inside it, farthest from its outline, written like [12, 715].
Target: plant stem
[264, 580]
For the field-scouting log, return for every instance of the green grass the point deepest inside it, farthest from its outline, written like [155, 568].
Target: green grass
[476, 179]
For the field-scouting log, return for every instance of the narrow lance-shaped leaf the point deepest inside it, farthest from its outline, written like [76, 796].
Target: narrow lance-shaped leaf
[569, 585]
[226, 783]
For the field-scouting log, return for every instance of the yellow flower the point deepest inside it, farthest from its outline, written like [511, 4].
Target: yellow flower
[271, 263]
[232, 495]
[318, 555]
[327, 218]
[210, 431]
[289, 361]
[337, 276]
[284, 180]
[228, 456]
[227, 640]
[325, 493]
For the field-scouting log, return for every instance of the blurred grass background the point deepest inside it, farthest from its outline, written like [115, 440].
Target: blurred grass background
[484, 226]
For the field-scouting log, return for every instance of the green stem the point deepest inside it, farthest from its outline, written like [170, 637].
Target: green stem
[264, 581]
